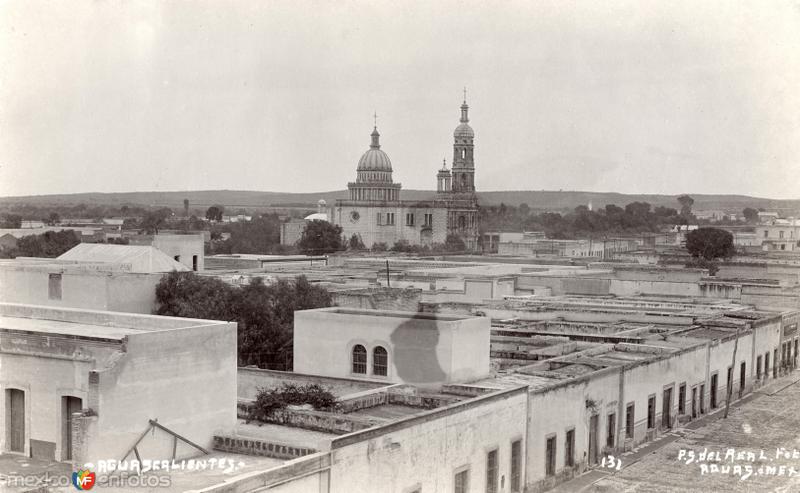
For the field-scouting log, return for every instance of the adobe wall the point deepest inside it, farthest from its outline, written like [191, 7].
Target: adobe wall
[184, 378]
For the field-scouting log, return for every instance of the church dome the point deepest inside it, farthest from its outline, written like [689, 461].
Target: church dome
[464, 131]
[374, 159]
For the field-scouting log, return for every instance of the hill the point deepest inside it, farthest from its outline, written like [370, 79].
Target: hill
[536, 200]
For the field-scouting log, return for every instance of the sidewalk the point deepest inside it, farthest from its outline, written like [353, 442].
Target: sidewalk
[592, 476]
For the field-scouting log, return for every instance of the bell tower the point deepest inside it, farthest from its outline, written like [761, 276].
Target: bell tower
[463, 168]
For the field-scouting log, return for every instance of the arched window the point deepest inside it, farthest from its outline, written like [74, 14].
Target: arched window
[380, 361]
[359, 359]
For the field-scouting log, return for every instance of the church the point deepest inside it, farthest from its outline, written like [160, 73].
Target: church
[376, 213]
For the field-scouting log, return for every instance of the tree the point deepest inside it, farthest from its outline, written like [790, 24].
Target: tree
[186, 207]
[153, 220]
[264, 313]
[214, 213]
[320, 237]
[686, 205]
[53, 219]
[453, 243]
[710, 243]
[355, 243]
[12, 221]
[750, 215]
[48, 244]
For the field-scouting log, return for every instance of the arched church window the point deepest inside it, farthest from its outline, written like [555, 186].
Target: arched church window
[359, 359]
[462, 222]
[463, 153]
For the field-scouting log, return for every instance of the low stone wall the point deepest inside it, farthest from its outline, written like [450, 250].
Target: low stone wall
[252, 446]
[250, 379]
[326, 422]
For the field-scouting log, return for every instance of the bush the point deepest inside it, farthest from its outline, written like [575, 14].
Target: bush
[379, 247]
[271, 400]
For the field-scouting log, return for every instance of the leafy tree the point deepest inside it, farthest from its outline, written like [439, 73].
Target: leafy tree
[12, 221]
[264, 313]
[355, 243]
[271, 400]
[710, 243]
[48, 244]
[750, 215]
[130, 223]
[53, 219]
[153, 220]
[320, 237]
[262, 235]
[686, 203]
[453, 243]
[214, 213]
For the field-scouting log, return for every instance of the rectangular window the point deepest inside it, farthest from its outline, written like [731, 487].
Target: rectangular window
[379, 218]
[780, 234]
[491, 472]
[516, 466]
[611, 430]
[410, 219]
[390, 218]
[682, 399]
[766, 233]
[429, 220]
[629, 417]
[651, 412]
[550, 456]
[569, 449]
[54, 287]
[194, 263]
[461, 482]
[758, 368]
[177, 258]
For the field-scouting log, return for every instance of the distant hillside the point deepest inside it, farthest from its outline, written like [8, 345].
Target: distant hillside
[537, 200]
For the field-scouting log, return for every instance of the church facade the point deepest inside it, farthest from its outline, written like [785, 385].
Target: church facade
[376, 213]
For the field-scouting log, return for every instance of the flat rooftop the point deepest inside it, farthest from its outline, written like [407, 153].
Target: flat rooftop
[88, 323]
[396, 314]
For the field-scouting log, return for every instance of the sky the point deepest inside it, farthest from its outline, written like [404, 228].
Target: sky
[634, 97]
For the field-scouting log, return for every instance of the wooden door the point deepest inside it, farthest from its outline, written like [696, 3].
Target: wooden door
[69, 405]
[593, 439]
[16, 420]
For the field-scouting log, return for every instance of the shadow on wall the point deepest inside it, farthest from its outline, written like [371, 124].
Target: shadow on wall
[415, 344]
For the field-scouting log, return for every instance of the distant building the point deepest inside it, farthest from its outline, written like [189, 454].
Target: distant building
[779, 234]
[96, 277]
[375, 213]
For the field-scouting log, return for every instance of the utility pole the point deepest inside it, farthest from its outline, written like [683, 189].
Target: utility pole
[388, 285]
[730, 377]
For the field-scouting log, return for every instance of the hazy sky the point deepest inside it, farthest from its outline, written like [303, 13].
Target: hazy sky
[640, 96]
